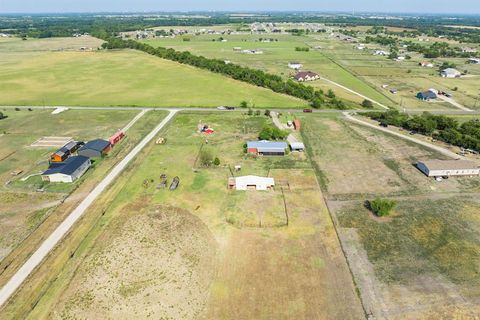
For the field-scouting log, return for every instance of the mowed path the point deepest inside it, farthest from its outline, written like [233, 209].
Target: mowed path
[56, 236]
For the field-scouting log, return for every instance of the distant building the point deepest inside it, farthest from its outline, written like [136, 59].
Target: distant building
[427, 95]
[295, 65]
[304, 76]
[445, 168]
[450, 73]
[297, 146]
[95, 148]
[116, 138]
[380, 53]
[296, 124]
[68, 171]
[251, 183]
[469, 50]
[426, 64]
[64, 152]
[267, 148]
[474, 60]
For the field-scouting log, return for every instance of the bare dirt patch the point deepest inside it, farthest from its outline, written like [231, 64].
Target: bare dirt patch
[156, 263]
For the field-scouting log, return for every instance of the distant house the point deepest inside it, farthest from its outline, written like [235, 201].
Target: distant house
[393, 91]
[469, 50]
[474, 60]
[68, 171]
[380, 53]
[360, 46]
[64, 152]
[116, 138]
[95, 148]
[267, 148]
[295, 65]
[251, 183]
[304, 76]
[400, 58]
[237, 49]
[426, 64]
[450, 73]
[297, 146]
[445, 168]
[427, 95]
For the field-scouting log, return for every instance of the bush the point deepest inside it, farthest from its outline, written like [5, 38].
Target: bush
[2, 116]
[206, 158]
[367, 104]
[243, 104]
[272, 133]
[250, 112]
[267, 113]
[381, 207]
[216, 162]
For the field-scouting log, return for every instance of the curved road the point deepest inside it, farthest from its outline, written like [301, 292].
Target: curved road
[36, 259]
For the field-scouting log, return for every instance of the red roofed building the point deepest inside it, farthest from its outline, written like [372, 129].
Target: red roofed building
[296, 124]
[116, 138]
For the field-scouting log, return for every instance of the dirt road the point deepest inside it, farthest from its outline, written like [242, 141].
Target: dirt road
[454, 103]
[37, 257]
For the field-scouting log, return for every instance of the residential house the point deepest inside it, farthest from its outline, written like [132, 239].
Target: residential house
[304, 76]
[66, 151]
[427, 95]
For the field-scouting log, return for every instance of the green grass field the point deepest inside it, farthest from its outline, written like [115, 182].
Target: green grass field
[118, 78]
[277, 55]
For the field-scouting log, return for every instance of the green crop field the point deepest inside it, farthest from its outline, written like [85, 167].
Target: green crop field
[118, 78]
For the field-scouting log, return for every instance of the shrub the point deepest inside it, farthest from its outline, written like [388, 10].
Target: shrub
[250, 112]
[2, 116]
[206, 158]
[272, 133]
[267, 113]
[381, 207]
[257, 113]
[216, 162]
[367, 104]
[243, 104]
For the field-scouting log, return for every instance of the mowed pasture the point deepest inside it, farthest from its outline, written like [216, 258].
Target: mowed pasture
[420, 262]
[277, 54]
[179, 254]
[118, 78]
[23, 209]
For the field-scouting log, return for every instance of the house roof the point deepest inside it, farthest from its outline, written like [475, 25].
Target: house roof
[428, 94]
[449, 164]
[97, 145]
[254, 180]
[451, 71]
[67, 167]
[66, 148]
[264, 145]
[304, 74]
[297, 145]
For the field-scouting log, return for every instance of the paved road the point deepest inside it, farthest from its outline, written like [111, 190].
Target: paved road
[27, 268]
[443, 151]
[355, 92]
[454, 103]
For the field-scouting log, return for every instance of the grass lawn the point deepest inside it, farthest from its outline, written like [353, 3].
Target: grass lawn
[119, 78]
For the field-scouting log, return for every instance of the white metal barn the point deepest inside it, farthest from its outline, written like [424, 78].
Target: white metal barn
[253, 182]
[446, 168]
[67, 171]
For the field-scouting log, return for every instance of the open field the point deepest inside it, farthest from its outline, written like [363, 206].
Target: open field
[127, 78]
[23, 208]
[183, 248]
[420, 262]
[49, 44]
[277, 55]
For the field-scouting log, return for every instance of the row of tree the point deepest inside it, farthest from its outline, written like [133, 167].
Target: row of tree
[317, 98]
[447, 129]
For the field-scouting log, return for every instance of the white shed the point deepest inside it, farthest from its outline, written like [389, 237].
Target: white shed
[445, 168]
[252, 182]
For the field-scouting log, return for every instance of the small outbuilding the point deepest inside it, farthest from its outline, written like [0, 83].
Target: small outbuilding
[296, 124]
[427, 95]
[116, 138]
[297, 146]
[64, 152]
[450, 73]
[267, 148]
[446, 168]
[68, 171]
[95, 148]
[251, 183]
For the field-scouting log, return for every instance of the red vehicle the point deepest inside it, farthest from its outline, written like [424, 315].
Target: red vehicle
[307, 110]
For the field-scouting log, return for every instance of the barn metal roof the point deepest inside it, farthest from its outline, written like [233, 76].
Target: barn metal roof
[264, 144]
[449, 164]
[67, 167]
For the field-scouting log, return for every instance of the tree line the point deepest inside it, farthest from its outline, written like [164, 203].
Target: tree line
[317, 98]
[447, 129]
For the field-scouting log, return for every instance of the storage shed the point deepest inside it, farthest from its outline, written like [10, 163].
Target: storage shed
[446, 168]
[297, 146]
[251, 183]
[296, 124]
[68, 171]
[116, 138]
[64, 152]
[267, 148]
[95, 148]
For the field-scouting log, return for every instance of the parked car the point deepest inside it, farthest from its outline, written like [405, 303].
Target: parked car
[307, 110]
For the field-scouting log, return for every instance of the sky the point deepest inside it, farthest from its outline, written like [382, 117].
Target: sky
[403, 6]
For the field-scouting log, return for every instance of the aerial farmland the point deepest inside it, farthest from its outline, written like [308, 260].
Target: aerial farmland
[239, 166]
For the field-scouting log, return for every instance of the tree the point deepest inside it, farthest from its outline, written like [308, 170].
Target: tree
[367, 104]
[267, 113]
[2, 116]
[216, 162]
[330, 94]
[257, 113]
[250, 112]
[381, 207]
[243, 104]
[266, 133]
